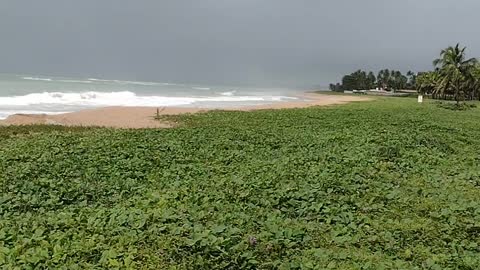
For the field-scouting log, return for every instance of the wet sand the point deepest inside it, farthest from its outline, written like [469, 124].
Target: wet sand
[143, 117]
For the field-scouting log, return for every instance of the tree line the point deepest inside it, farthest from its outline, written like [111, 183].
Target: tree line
[386, 79]
[455, 77]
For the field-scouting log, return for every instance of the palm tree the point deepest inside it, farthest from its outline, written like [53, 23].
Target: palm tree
[455, 71]
[371, 79]
[412, 77]
[383, 79]
[473, 82]
[427, 82]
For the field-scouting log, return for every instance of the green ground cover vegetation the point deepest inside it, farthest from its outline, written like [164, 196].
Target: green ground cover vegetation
[386, 184]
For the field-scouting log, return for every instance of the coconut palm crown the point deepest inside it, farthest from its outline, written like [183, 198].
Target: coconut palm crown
[456, 72]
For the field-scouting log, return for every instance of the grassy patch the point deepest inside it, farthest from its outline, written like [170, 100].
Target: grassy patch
[384, 184]
[454, 106]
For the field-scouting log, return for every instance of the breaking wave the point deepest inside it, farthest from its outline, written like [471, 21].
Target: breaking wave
[228, 94]
[37, 79]
[130, 82]
[124, 98]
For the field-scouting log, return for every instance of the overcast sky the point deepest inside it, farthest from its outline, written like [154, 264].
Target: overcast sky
[260, 42]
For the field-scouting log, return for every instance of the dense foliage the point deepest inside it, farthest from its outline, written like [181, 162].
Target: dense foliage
[388, 184]
[455, 76]
[386, 79]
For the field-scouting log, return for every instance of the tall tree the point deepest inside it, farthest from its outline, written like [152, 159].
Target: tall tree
[371, 80]
[336, 87]
[349, 82]
[473, 82]
[455, 71]
[383, 79]
[426, 82]
[412, 77]
[358, 80]
[399, 81]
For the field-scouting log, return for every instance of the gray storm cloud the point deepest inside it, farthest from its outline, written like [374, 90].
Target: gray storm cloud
[261, 42]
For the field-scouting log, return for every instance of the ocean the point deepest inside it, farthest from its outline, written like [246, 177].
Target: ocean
[30, 94]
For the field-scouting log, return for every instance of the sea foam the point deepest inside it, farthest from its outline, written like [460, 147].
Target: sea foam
[229, 93]
[74, 81]
[129, 82]
[123, 98]
[37, 79]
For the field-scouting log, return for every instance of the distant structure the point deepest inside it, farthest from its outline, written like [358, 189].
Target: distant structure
[381, 92]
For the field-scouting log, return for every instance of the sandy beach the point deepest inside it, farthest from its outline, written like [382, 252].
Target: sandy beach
[143, 117]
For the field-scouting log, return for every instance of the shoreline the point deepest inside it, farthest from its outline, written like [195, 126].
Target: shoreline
[143, 117]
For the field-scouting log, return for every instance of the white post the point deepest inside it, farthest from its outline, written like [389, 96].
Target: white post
[420, 98]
